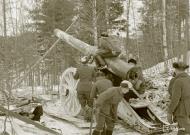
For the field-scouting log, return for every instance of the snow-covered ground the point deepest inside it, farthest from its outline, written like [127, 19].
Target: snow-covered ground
[157, 94]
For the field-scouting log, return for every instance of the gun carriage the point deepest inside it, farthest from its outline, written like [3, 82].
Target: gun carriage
[139, 116]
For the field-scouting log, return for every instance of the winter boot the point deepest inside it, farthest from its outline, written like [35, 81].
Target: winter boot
[109, 132]
[95, 132]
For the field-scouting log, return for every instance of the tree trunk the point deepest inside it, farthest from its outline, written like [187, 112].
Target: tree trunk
[178, 50]
[187, 25]
[136, 36]
[107, 13]
[33, 80]
[127, 27]
[4, 18]
[152, 29]
[164, 35]
[187, 33]
[95, 23]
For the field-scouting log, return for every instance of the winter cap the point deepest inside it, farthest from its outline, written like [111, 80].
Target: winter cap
[126, 84]
[180, 65]
[84, 59]
[132, 61]
[104, 34]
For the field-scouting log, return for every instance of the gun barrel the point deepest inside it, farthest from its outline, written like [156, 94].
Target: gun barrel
[76, 43]
[115, 65]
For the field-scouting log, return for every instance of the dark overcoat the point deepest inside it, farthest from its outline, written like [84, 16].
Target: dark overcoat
[86, 74]
[180, 97]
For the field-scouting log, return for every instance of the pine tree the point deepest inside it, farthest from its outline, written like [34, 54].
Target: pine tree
[106, 10]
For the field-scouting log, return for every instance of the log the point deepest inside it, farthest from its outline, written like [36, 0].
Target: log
[28, 121]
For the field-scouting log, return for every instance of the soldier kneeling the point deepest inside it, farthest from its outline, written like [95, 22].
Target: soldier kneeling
[35, 115]
[105, 50]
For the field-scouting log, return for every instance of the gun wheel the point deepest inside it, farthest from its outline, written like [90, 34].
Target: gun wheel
[68, 93]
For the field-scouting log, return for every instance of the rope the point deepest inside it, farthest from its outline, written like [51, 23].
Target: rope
[39, 60]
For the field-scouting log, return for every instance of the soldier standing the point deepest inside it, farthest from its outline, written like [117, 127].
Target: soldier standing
[106, 106]
[86, 74]
[179, 108]
[101, 84]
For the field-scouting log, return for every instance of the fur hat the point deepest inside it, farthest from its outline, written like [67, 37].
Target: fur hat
[180, 65]
[126, 84]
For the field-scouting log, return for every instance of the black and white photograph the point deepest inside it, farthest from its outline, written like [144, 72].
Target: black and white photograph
[94, 67]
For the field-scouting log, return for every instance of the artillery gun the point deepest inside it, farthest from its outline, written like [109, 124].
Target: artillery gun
[142, 118]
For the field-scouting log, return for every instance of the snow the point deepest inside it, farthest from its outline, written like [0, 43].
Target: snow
[156, 95]
[65, 127]
[20, 128]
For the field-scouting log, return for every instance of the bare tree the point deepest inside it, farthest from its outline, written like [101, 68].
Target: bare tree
[95, 32]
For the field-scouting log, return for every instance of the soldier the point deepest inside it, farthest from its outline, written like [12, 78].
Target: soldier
[107, 104]
[101, 84]
[38, 112]
[179, 108]
[86, 75]
[132, 62]
[105, 49]
[135, 76]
